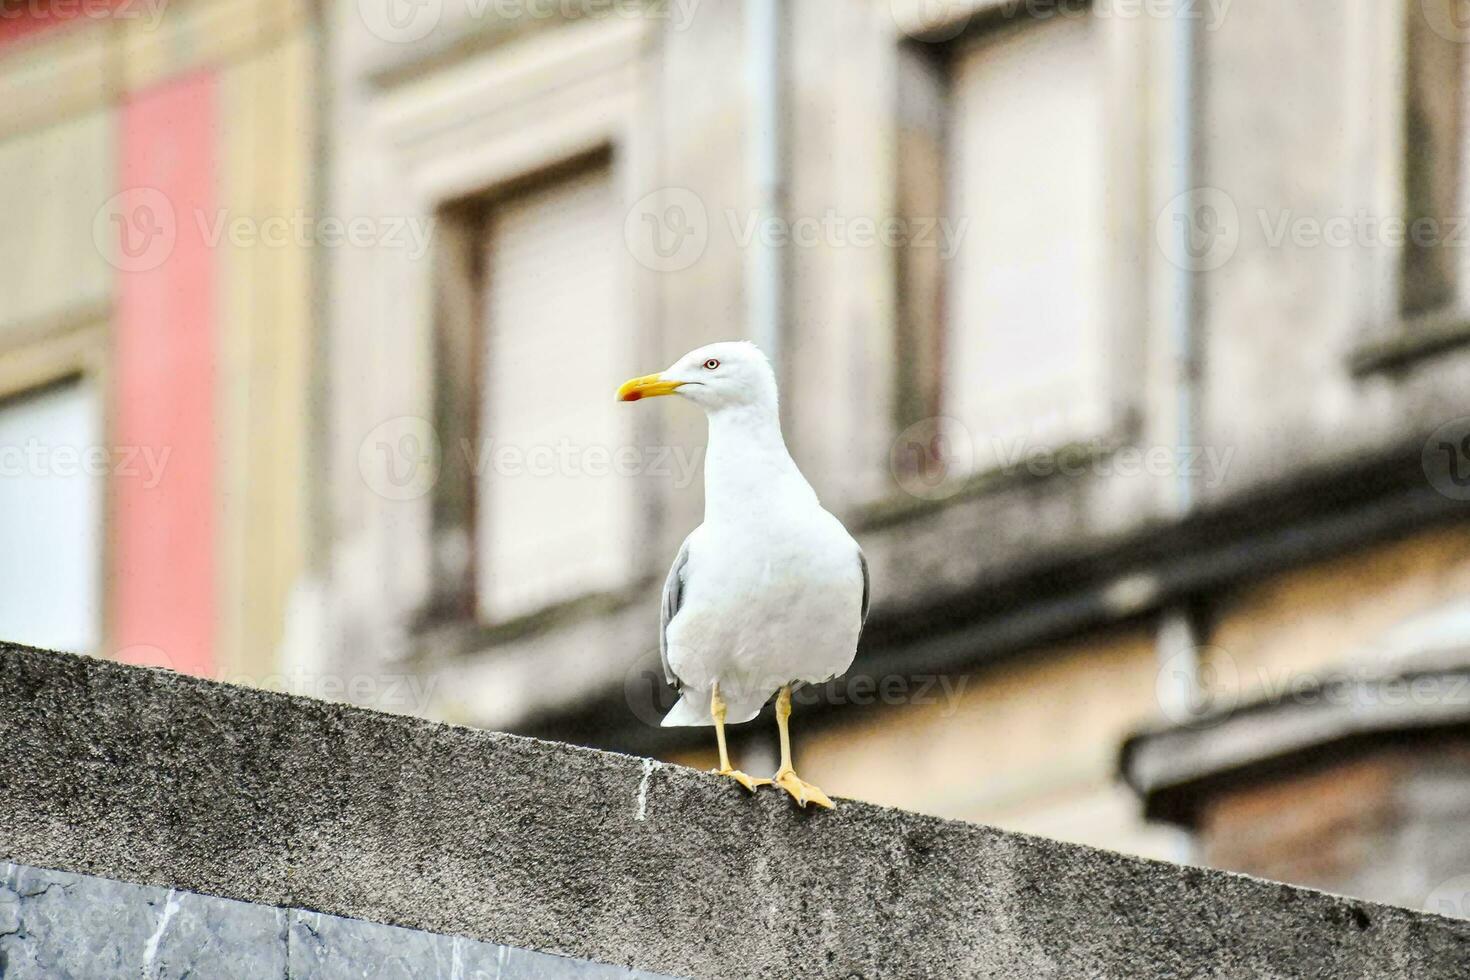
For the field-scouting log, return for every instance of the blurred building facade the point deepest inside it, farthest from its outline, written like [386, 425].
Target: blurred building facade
[1129, 339]
[156, 327]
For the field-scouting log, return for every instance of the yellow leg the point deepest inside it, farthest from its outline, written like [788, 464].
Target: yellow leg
[801, 791]
[717, 711]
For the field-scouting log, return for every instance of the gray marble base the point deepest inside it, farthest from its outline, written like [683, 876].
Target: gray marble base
[59, 926]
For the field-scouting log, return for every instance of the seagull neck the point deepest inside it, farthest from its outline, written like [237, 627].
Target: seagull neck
[747, 462]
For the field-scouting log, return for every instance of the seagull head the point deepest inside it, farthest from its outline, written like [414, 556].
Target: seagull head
[730, 374]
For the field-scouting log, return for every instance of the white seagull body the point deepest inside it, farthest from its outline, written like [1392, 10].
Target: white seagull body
[765, 595]
[771, 590]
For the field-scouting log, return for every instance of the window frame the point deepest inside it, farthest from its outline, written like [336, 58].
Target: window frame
[1391, 339]
[460, 356]
[70, 347]
[437, 142]
[1123, 54]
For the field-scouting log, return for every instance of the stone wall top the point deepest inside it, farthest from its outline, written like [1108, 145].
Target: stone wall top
[150, 777]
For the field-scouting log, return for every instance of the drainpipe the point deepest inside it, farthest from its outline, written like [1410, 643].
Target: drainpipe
[1177, 639]
[1183, 307]
[764, 270]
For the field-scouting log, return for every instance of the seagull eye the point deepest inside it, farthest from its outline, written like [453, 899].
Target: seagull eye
[711, 364]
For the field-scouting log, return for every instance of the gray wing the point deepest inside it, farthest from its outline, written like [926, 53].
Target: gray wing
[673, 599]
[867, 588]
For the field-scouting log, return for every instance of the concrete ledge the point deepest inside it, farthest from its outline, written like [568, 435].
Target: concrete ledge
[149, 777]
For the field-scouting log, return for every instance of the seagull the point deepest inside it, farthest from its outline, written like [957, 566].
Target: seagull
[770, 592]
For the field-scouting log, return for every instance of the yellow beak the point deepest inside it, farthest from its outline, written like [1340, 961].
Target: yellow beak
[648, 386]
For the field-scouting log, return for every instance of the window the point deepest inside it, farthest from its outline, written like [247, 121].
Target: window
[1016, 318]
[1434, 137]
[552, 518]
[51, 518]
[1411, 284]
[922, 125]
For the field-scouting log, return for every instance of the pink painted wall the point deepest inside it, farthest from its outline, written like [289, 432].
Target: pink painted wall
[163, 556]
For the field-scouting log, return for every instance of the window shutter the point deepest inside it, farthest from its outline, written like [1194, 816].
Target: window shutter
[1025, 366]
[1434, 137]
[554, 521]
[51, 517]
